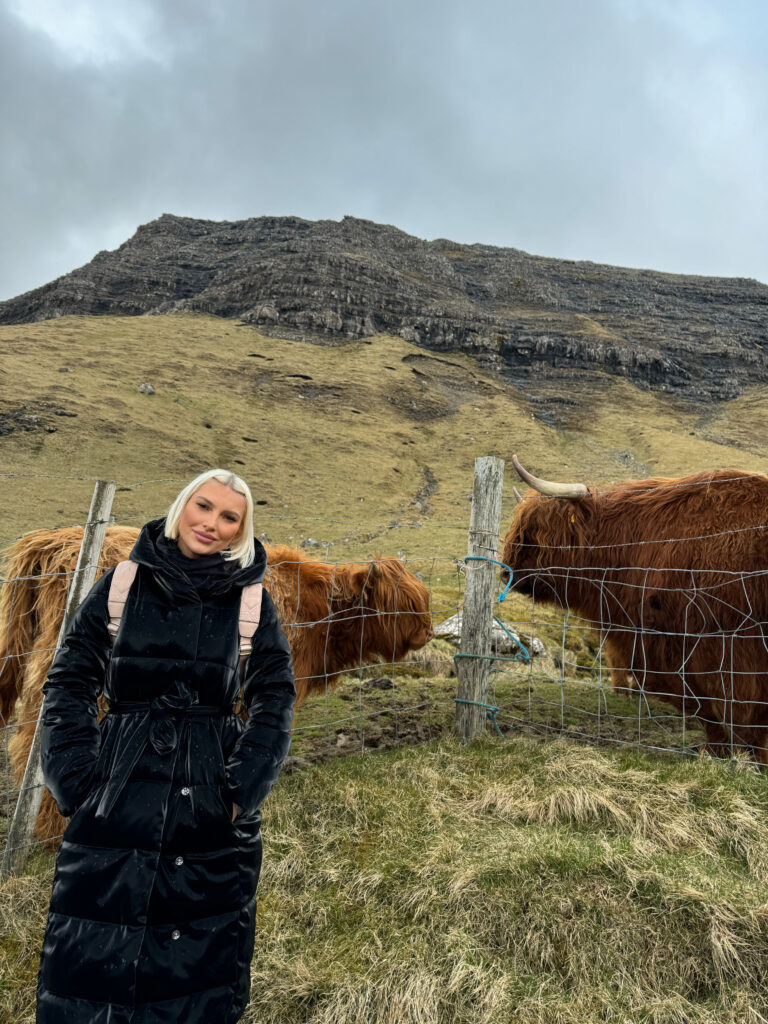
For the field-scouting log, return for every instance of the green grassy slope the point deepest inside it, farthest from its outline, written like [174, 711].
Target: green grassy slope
[376, 434]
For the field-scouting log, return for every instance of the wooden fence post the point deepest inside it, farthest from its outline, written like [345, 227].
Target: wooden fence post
[473, 664]
[22, 826]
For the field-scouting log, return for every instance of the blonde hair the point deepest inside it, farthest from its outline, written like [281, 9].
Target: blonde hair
[242, 550]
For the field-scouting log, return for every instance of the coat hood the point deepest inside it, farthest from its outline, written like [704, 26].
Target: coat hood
[223, 576]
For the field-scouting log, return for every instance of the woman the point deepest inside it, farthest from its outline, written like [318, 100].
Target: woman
[153, 906]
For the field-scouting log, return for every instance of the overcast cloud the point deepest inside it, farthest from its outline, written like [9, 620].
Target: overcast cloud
[630, 132]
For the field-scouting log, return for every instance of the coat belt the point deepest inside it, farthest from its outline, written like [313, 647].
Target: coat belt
[163, 724]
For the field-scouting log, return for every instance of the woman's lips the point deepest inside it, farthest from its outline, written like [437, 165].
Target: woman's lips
[203, 537]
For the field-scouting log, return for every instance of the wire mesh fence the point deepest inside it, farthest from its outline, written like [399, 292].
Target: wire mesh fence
[687, 675]
[690, 677]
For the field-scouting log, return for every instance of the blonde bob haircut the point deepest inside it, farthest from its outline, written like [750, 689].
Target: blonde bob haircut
[242, 549]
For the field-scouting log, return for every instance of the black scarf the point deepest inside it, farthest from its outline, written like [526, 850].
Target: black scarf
[203, 572]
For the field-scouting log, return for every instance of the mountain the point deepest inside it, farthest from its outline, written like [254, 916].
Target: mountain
[520, 315]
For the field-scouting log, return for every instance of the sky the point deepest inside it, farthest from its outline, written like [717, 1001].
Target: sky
[630, 132]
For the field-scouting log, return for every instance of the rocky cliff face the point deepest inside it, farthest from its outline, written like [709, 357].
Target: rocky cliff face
[522, 315]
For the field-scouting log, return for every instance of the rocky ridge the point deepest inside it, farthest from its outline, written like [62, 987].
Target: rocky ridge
[521, 315]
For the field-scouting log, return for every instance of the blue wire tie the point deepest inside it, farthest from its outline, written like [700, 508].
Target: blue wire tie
[491, 710]
[523, 652]
[482, 558]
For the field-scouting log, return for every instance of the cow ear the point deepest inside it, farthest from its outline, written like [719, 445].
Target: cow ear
[364, 582]
[359, 581]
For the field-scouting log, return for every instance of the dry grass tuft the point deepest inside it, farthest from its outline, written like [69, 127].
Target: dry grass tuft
[23, 909]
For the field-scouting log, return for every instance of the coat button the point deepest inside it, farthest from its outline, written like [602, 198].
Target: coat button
[179, 861]
[175, 934]
[185, 791]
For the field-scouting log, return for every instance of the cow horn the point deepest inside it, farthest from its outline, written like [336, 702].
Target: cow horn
[517, 494]
[550, 487]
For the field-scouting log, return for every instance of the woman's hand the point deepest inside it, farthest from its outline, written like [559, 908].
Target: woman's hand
[236, 809]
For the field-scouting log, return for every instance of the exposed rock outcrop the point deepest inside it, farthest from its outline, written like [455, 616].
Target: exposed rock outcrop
[694, 336]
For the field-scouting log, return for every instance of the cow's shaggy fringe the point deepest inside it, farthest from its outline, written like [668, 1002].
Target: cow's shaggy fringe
[335, 616]
[536, 882]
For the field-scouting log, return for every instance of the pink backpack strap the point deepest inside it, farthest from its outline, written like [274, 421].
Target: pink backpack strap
[119, 585]
[250, 612]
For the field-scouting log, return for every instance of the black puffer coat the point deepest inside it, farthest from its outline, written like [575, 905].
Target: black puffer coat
[153, 905]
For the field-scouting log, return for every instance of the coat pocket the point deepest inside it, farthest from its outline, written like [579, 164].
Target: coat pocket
[224, 801]
[88, 800]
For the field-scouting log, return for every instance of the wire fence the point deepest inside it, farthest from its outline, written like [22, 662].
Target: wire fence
[675, 660]
[672, 660]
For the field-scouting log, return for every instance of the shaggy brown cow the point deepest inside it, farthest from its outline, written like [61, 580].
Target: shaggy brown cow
[336, 617]
[674, 575]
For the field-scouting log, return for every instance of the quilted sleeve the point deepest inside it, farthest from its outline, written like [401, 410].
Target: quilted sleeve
[71, 735]
[269, 695]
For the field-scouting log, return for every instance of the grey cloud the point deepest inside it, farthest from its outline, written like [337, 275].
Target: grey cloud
[602, 130]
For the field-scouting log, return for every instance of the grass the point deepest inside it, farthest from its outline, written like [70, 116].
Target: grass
[385, 705]
[514, 880]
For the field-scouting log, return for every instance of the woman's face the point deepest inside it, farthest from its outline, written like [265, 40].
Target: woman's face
[211, 520]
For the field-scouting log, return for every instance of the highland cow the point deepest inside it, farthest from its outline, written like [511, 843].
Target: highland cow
[673, 573]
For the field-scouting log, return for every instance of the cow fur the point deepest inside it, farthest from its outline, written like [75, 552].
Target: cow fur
[336, 617]
[673, 573]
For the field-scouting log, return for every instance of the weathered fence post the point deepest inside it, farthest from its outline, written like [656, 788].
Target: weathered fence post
[477, 615]
[31, 793]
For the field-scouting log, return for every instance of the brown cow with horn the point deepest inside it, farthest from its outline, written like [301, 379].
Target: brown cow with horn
[336, 617]
[674, 574]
